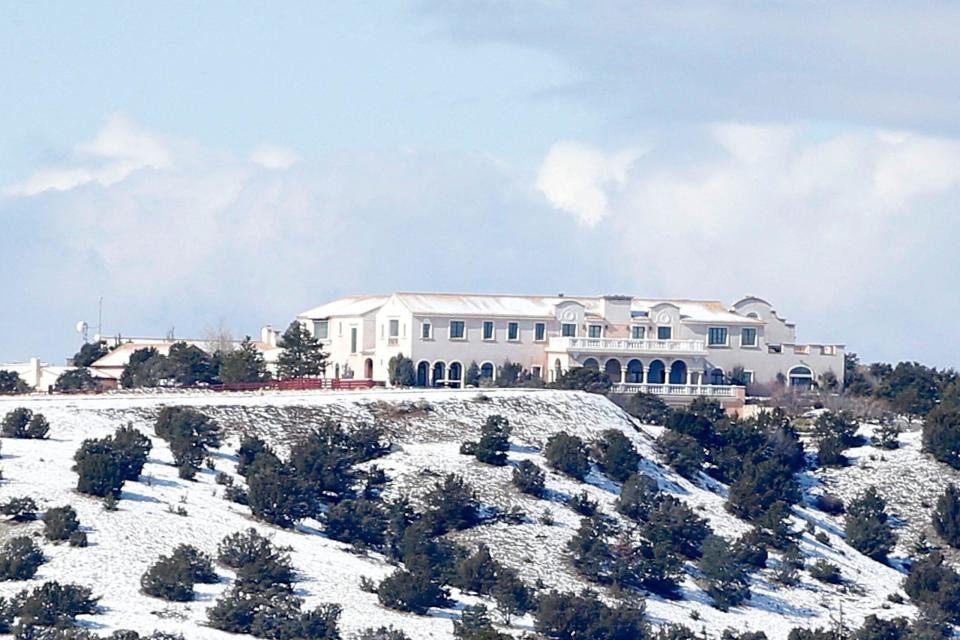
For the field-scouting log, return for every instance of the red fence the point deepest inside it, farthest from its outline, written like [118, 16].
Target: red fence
[296, 384]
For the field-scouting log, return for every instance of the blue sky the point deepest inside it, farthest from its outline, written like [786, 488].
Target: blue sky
[205, 164]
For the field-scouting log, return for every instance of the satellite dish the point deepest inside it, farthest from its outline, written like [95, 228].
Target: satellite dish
[81, 327]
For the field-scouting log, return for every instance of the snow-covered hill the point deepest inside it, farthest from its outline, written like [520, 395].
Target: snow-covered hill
[427, 428]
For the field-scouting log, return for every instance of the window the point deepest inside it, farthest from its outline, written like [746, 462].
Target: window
[540, 332]
[748, 337]
[321, 329]
[664, 333]
[638, 333]
[487, 330]
[513, 331]
[536, 372]
[394, 328]
[595, 331]
[426, 330]
[457, 330]
[568, 330]
[717, 336]
[748, 377]
[353, 339]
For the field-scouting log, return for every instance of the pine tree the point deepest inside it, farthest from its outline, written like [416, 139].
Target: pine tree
[529, 478]
[726, 579]
[401, 372]
[302, 354]
[681, 452]
[79, 379]
[494, 441]
[472, 377]
[946, 516]
[10, 382]
[566, 453]
[638, 497]
[189, 365]
[941, 434]
[478, 572]
[648, 408]
[867, 527]
[89, 353]
[615, 454]
[244, 364]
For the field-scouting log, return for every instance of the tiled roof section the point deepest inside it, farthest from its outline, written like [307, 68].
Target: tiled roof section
[349, 306]
[514, 306]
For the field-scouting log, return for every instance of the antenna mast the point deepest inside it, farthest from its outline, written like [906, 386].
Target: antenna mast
[100, 319]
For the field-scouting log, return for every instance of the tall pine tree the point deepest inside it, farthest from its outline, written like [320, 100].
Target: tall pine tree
[302, 354]
[245, 364]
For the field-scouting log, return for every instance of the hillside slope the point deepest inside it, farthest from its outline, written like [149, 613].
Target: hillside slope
[427, 428]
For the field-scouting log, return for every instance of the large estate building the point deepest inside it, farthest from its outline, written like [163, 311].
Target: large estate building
[668, 347]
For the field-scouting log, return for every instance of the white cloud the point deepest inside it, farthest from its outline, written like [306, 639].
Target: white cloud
[818, 222]
[578, 179]
[274, 157]
[118, 150]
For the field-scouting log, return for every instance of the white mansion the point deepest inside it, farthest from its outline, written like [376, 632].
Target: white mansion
[668, 347]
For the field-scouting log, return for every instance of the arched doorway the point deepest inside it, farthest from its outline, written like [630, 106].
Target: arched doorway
[486, 370]
[801, 377]
[635, 371]
[456, 375]
[591, 363]
[716, 376]
[678, 372]
[658, 373]
[368, 368]
[612, 369]
[423, 373]
[439, 373]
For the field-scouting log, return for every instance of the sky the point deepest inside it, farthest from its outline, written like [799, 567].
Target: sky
[222, 164]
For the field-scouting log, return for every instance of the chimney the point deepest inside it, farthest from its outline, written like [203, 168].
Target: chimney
[268, 336]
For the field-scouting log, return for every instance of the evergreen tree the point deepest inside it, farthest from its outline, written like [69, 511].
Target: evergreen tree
[529, 478]
[615, 454]
[189, 365]
[566, 453]
[20, 558]
[401, 372]
[414, 592]
[89, 353]
[132, 448]
[451, 505]
[173, 577]
[639, 563]
[941, 434]
[475, 624]
[946, 516]
[10, 382]
[512, 596]
[59, 523]
[509, 374]
[673, 524]
[867, 527]
[302, 354]
[681, 452]
[726, 580]
[360, 522]
[54, 605]
[888, 434]
[494, 441]
[648, 408]
[638, 497]
[277, 495]
[935, 587]
[478, 572]
[760, 486]
[79, 379]
[584, 379]
[590, 548]
[24, 423]
[244, 364]
[567, 616]
[259, 564]
[100, 468]
[839, 424]
[145, 368]
[472, 377]
[830, 452]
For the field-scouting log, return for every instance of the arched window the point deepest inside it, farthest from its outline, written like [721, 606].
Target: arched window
[635, 371]
[486, 370]
[592, 363]
[439, 371]
[423, 373]
[716, 376]
[612, 369]
[801, 377]
[658, 373]
[456, 374]
[678, 372]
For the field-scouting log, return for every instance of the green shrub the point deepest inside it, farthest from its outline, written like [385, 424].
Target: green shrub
[615, 454]
[494, 442]
[411, 592]
[529, 478]
[867, 527]
[24, 423]
[681, 452]
[946, 516]
[60, 523]
[100, 468]
[360, 522]
[648, 408]
[21, 509]
[20, 558]
[54, 604]
[726, 580]
[257, 561]
[941, 434]
[567, 454]
[825, 572]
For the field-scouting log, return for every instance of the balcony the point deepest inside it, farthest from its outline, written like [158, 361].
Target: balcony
[683, 391]
[627, 346]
